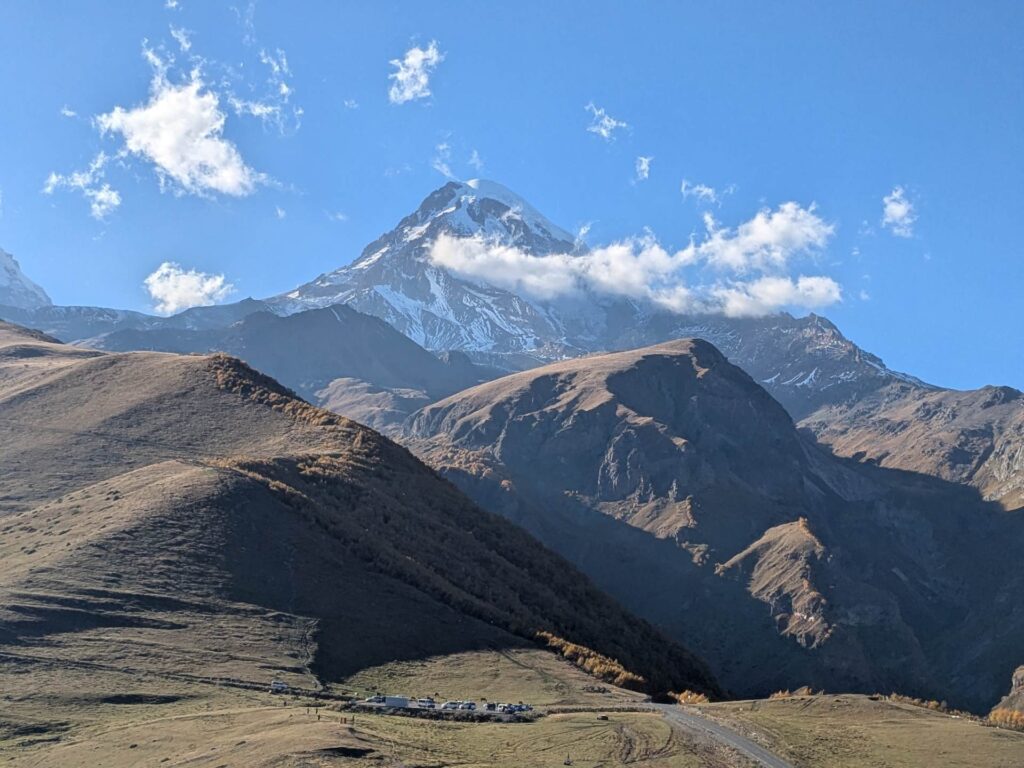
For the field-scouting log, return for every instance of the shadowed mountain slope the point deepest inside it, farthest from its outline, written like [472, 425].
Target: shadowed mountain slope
[186, 515]
[680, 486]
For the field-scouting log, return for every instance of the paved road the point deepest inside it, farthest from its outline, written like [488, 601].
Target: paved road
[695, 723]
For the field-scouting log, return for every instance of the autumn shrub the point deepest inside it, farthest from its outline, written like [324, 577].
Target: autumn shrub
[804, 690]
[1007, 718]
[689, 697]
[594, 663]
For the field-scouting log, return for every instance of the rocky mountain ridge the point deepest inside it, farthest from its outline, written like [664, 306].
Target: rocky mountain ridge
[684, 489]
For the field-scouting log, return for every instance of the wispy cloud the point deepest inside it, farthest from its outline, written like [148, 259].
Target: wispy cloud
[741, 271]
[247, 20]
[339, 216]
[442, 160]
[476, 161]
[603, 124]
[67, 111]
[174, 288]
[280, 212]
[350, 104]
[412, 75]
[643, 168]
[180, 131]
[181, 36]
[898, 214]
[103, 199]
[580, 241]
[273, 107]
[704, 193]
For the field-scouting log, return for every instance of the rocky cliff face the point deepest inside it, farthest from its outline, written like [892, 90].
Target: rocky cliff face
[684, 489]
[975, 438]
[1014, 700]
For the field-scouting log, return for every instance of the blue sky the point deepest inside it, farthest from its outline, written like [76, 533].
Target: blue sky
[836, 105]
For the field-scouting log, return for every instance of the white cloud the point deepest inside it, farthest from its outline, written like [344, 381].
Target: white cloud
[174, 288]
[769, 294]
[337, 215]
[67, 111]
[181, 37]
[703, 193]
[476, 161]
[864, 295]
[180, 130]
[412, 75]
[766, 241]
[442, 160]
[641, 268]
[350, 104]
[280, 212]
[643, 168]
[103, 199]
[603, 124]
[172, 5]
[898, 214]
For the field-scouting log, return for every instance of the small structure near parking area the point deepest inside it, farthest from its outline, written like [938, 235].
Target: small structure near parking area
[427, 706]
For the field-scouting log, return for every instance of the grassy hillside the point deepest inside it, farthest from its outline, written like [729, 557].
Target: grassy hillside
[189, 517]
[857, 731]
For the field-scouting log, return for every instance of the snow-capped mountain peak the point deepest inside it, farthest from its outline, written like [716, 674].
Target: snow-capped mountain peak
[16, 290]
[395, 279]
[799, 360]
[474, 208]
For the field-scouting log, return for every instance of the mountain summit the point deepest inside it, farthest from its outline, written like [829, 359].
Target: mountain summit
[395, 280]
[16, 290]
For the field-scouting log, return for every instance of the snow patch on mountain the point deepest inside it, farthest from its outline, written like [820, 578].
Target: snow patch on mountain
[16, 290]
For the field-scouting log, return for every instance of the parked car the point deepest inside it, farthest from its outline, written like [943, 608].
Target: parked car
[468, 705]
[449, 705]
[276, 686]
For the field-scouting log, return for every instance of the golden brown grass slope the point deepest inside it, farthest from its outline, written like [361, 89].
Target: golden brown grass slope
[847, 731]
[187, 516]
